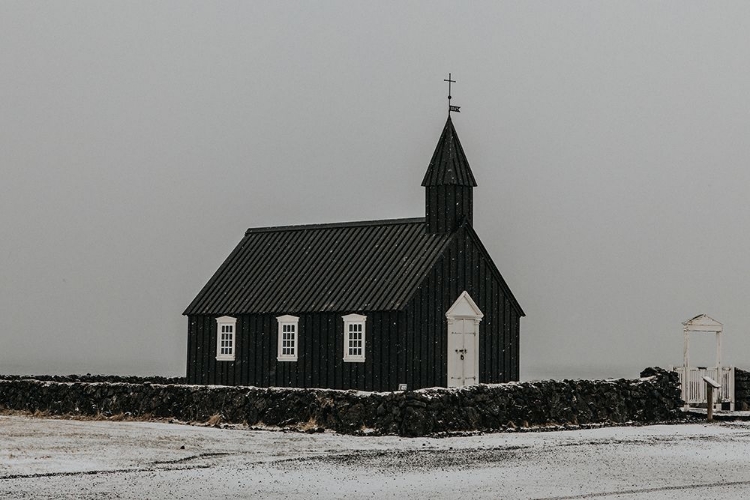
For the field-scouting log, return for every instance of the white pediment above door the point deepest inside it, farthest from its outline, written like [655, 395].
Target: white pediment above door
[464, 307]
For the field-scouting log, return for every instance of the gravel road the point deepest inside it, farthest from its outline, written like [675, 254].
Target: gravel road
[52, 458]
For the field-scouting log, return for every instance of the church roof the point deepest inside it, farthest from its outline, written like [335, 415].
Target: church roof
[449, 164]
[358, 266]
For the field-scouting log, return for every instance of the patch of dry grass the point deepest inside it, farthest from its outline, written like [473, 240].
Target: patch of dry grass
[118, 417]
[311, 424]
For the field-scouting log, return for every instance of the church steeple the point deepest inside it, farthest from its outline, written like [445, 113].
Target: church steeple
[448, 185]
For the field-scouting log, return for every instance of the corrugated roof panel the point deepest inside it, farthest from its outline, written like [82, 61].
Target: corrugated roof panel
[383, 290]
[349, 279]
[361, 266]
[365, 273]
[418, 268]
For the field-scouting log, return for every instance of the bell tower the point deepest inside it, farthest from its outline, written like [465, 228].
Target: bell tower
[448, 185]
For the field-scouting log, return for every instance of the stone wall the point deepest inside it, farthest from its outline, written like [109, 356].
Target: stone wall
[415, 413]
[129, 379]
[741, 390]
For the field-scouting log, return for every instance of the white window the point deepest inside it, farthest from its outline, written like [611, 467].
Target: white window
[287, 338]
[354, 337]
[225, 328]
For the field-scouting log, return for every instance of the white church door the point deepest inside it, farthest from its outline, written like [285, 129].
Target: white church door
[463, 342]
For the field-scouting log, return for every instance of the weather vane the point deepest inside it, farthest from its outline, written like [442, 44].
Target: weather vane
[457, 109]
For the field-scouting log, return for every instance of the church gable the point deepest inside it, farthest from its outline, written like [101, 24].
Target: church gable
[465, 264]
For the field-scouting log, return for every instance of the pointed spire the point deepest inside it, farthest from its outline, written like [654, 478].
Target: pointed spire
[449, 185]
[449, 165]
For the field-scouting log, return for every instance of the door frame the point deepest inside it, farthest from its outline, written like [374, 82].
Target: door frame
[466, 310]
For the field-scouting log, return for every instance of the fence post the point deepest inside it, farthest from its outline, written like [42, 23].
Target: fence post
[711, 384]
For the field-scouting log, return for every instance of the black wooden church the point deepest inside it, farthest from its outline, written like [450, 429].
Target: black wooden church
[376, 306]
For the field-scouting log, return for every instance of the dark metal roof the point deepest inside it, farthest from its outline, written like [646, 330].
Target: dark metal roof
[357, 266]
[449, 164]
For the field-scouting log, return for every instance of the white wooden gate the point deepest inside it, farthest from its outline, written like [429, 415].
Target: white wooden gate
[463, 342]
[691, 378]
[694, 387]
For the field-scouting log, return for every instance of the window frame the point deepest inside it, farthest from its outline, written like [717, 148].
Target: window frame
[349, 320]
[285, 321]
[230, 322]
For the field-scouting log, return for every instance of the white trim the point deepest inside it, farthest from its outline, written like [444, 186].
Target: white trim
[354, 324]
[701, 324]
[291, 325]
[229, 324]
[464, 307]
[463, 319]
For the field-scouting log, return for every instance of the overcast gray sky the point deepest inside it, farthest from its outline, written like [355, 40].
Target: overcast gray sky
[138, 140]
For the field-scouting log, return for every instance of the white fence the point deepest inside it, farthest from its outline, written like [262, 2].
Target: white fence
[694, 387]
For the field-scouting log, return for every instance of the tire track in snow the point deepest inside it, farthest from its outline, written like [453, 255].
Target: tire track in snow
[153, 467]
[636, 491]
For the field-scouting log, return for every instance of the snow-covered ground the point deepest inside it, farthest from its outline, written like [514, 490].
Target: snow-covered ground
[99, 459]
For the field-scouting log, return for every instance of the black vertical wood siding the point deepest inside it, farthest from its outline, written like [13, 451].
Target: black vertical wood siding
[401, 347]
[446, 206]
[320, 356]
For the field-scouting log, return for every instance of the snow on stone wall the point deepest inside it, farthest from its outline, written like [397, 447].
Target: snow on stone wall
[488, 408]
[130, 379]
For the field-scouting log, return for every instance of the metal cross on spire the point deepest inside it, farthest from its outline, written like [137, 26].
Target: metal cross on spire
[457, 109]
